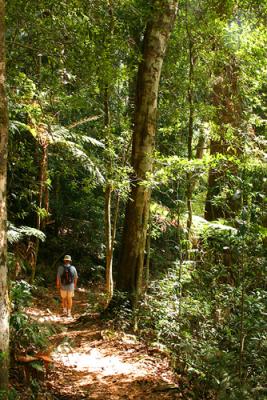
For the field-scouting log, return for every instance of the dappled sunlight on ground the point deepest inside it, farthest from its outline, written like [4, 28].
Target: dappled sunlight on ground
[48, 317]
[96, 361]
[90, 361]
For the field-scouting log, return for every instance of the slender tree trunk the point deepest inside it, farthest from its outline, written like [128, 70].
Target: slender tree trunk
[200, 146]
[242, 316]
[58, 202]
[109, 249]
[110, 230]
[110, 227]
[227, 102]
[4, 301]
[109, 188]
[108, 200]
[43, 198]
[130, 269]
[190, 134]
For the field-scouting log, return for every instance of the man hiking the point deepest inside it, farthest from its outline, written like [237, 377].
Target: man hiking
[67, 281]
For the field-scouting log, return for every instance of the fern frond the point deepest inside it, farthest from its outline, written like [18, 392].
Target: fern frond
[91, 140]
[17, 126]
[80, 156]
[87, 163]
[15, 234]
[29, 231]
[60, 134]
[84, 121]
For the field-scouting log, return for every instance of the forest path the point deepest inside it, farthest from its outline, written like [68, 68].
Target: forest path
[91, 361]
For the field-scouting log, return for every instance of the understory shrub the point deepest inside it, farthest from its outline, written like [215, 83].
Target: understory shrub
[26, 335]
[211, 314]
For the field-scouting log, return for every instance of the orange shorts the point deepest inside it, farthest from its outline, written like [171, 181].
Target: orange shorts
[65, 294]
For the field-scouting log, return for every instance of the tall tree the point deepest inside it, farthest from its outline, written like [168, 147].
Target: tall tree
[228, 122]
[4, 302]
[137, 210]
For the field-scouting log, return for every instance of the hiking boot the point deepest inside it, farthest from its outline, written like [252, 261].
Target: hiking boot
[69, 313]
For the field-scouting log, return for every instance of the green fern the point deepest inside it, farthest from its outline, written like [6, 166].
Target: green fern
[17, 126]
[73, 144]
[15, 234]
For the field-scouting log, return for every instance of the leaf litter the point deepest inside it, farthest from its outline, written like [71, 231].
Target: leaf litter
[91, 361]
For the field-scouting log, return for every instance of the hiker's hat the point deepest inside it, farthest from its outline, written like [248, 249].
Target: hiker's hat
[67, 258]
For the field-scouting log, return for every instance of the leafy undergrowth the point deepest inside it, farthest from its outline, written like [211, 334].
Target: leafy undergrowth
[87, 359]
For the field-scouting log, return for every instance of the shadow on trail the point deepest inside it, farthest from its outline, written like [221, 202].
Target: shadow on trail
[91, 362]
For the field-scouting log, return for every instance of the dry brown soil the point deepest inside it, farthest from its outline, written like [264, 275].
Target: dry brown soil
[89, 360]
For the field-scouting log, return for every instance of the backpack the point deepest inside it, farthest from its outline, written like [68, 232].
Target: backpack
[68, 275]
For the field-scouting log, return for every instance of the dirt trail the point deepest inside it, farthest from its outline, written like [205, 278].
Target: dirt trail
[90, 361]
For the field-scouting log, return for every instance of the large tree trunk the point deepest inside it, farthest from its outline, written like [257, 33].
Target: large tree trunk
[4, 302]
[130, 269]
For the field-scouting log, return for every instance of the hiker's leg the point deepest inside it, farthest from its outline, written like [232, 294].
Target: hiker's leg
[69, 302]
[69, 306]
[64, 299]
